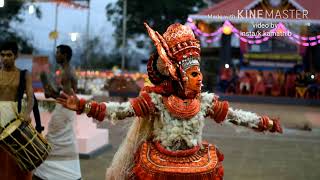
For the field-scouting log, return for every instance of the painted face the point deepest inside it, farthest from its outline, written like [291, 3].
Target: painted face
[194, 81]
[7, 58]
[59, 56]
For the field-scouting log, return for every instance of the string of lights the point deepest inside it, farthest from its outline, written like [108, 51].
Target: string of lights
[279, 30]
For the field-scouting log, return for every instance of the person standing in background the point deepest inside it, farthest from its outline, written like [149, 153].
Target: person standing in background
[63, 161]
[9, 85]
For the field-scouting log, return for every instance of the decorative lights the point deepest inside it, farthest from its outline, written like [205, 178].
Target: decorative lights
[1, 3]
[31, 9]
[227, 28]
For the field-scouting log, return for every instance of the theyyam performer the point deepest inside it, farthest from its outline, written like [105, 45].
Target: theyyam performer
[165, 140]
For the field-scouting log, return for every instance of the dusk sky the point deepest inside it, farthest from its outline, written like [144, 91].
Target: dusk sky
[69, 20]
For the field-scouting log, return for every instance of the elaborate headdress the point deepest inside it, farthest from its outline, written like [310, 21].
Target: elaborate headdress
[177, 50]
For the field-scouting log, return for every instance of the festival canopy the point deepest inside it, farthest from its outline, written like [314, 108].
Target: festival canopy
[78, 4]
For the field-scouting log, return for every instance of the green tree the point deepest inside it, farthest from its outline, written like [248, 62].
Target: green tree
[11, 13]
[95, 57]
[158, 14]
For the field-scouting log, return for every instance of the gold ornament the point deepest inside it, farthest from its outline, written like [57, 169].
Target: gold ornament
[227, 30]
[53, 35]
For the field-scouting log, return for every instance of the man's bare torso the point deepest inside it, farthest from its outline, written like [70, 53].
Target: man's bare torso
[9, 83]
[68, 80]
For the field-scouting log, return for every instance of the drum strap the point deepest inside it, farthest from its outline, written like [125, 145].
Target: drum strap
[21, 89]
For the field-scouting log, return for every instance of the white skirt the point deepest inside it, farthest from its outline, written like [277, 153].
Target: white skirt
[8, 112]
[63, 161]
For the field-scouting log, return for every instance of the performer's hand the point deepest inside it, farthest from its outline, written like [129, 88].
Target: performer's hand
[276, 126]
[69, 101]
[268, 124]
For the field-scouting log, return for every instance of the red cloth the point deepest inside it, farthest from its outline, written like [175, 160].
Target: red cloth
[155, 164]
[245, 80]
[290, 82]
[226, 74]
[276, 89]
[9, 169]
[259, 88]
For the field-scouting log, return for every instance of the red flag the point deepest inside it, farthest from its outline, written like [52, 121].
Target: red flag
[72, 4]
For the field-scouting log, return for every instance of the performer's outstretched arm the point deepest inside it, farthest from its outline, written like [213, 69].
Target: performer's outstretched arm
[252, 120]
[221, 112]
[139, 106]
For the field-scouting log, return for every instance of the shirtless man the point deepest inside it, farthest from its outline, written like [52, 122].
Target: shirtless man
[9, 83]
[63, 161]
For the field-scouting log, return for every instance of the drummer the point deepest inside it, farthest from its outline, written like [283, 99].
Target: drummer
[63, 161]
[9, 83]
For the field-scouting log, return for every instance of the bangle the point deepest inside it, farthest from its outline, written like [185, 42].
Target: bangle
[220, 111]
[93, 109]
[276, 126]
[87, 107]
[264, 123]
[81, 106]
[270, 124]
[95, 112]
[102, 112]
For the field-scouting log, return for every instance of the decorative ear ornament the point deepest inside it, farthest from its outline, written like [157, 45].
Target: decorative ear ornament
[161, 45]
[162, 67]
[165, 45]
[154, 74]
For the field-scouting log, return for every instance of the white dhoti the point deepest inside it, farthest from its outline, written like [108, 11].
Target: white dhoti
[8, 112]
[63, 161]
